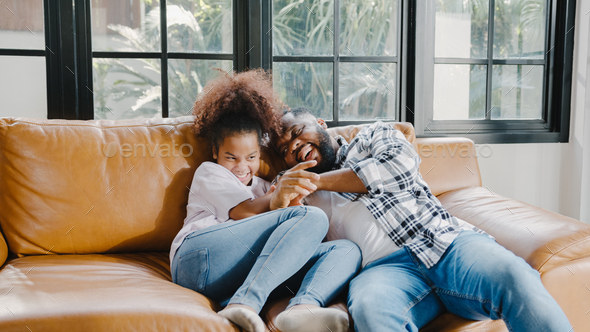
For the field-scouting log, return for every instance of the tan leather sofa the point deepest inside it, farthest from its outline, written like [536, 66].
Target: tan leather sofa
[88, 210]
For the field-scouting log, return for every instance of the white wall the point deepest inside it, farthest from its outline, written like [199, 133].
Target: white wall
[554, 176]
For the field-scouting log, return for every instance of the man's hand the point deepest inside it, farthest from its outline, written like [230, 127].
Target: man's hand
[295, 184]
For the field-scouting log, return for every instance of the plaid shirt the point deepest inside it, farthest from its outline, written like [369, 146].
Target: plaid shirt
[398, 197]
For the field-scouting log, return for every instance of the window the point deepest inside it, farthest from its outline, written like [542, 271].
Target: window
[152, 58]
[23, 86]
[494, 61]
[495, 71]
[339, 58]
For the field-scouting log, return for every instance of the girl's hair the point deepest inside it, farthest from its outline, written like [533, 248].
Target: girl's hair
[242, 103]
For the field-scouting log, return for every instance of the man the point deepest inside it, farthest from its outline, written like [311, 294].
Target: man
[418, 260]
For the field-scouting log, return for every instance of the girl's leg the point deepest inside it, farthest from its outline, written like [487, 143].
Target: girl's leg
[329, 271]
[257, 253]
[289, 247]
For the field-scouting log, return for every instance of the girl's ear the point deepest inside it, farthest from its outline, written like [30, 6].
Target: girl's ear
[214, 154]
[322, 123]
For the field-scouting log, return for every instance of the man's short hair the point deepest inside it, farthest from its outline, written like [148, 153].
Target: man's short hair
[298, 112]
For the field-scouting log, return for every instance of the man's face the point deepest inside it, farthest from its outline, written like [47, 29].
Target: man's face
[304, 139]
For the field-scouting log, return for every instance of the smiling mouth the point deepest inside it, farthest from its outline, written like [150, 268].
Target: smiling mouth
[243, 177]
[304, 153]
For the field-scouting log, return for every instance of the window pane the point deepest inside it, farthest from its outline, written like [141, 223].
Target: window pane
[132, 25]
[517, 92]
[306, 84]
[459, 92]
[519, 29]
[23, 87]
[186, 79]
[199, 26]
[367, 91]
[368, 27]
[127, 88]
[303, 27]
[461, 29]
[21, 24]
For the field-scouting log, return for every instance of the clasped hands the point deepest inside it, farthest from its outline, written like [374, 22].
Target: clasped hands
[293, 186]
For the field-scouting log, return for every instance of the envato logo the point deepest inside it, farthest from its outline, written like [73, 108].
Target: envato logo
[462, 150]
[166, 150]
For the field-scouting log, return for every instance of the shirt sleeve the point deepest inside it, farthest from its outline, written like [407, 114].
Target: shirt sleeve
[383, 159]
[221, 190]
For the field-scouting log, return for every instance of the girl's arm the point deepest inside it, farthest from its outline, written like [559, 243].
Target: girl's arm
[249, 208]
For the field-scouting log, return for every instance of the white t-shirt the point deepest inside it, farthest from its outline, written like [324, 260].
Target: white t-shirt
[214, 192]
[353, 221]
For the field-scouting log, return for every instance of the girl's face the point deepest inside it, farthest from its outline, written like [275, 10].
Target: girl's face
[240, 153]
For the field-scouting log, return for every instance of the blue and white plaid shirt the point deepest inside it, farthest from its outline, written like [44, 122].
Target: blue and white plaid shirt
[398, 197]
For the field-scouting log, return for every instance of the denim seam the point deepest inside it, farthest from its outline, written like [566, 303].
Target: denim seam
[417, 300]
[466, 296]
[300, 301]
[208, 265]
[272, 252]
[241, 300]
[506, 322]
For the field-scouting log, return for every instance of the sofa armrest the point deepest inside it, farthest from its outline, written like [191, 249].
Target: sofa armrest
[543, 238]
[448, 163]
[3, 250]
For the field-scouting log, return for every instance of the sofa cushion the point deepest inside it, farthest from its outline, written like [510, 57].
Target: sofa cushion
[543, 238]
[125, 292]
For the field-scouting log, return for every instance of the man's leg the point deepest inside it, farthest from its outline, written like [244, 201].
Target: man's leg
[478, 279]
[391, 294]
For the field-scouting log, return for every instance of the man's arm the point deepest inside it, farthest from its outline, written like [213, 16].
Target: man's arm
[342, 180]
[383, 159]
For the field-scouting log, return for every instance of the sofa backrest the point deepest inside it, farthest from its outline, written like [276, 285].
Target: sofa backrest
[97, 186]
[103, 186]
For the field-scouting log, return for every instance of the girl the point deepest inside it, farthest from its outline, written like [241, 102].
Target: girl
[231, 248]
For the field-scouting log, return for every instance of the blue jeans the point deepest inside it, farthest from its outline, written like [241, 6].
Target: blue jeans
[243, 261]
[476, 279]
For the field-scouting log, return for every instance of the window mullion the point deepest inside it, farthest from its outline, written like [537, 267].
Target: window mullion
[336, 70]
[164, 59]
[491, 13]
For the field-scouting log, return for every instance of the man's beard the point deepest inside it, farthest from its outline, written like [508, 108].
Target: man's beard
[325, 150]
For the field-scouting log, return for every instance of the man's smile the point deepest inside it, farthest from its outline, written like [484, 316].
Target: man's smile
[306, 152]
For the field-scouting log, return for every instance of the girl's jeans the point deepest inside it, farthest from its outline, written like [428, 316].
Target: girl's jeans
[243, 261]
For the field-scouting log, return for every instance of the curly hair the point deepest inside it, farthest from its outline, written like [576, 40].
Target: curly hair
[240, 103]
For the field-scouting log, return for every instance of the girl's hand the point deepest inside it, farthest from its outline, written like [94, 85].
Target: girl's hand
[293, 186]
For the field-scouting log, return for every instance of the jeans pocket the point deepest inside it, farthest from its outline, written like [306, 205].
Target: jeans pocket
[193, 269]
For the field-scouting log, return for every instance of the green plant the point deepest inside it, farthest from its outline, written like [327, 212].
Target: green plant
[138, 80]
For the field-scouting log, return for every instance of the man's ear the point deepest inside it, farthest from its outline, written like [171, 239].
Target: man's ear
[322, 123]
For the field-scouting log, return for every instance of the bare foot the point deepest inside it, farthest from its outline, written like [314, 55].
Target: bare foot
[244, 316]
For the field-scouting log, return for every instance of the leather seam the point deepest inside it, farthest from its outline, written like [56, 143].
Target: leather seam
[97, 127]
[565, 263]
[563, 249]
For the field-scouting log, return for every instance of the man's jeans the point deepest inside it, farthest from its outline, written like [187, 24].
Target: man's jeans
[243, 261]
[476, 279]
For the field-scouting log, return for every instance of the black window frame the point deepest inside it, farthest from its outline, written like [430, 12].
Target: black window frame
[336, 59]
[558, 61]
[69, 55]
